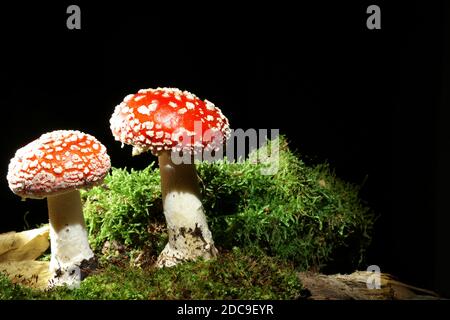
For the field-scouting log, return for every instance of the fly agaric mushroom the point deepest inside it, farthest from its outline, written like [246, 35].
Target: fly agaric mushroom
[55, 166]
[166, 121]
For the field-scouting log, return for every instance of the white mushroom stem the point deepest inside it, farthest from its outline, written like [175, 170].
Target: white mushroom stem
[189, 235]
[68, 238]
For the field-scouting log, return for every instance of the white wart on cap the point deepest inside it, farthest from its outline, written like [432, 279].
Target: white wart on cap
[166, 119]
[56, 163]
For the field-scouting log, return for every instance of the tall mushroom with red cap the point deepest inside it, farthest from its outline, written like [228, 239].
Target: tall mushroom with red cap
[55, 166]
[167, 122]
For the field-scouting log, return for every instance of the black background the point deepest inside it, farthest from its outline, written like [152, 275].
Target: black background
[374, 103]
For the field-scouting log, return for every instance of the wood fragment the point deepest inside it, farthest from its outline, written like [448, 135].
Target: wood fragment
[353, 287]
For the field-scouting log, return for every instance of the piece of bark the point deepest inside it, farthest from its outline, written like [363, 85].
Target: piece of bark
[29, 273]
[26, 245]
[354, 287]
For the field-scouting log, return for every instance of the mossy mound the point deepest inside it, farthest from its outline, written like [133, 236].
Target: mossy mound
[299, 213]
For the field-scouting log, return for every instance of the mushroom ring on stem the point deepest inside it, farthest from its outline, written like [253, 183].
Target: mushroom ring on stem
[169, 122]
[56, 166]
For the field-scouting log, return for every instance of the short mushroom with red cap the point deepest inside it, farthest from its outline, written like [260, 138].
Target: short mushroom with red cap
[167, 122]
[56, 166]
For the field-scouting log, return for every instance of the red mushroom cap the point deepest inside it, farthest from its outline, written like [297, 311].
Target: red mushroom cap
[168, 118]
[58, 162]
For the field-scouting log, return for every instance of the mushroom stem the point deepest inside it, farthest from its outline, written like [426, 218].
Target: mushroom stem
[70, 248]
[189, 235]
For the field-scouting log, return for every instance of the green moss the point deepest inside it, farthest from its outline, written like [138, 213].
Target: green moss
[303, 214]
[10, 291]
[126, 209]
[233, 275]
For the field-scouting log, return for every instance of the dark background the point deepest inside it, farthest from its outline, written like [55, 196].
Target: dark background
[374, 103]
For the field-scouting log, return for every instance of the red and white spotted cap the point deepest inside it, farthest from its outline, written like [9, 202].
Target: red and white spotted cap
[169, 119]
[58, 162]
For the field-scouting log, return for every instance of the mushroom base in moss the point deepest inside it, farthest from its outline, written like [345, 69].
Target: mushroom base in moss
[71, 256]
[189, 235]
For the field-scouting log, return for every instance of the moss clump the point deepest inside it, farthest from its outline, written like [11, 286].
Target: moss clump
[127, 209]
[303, 214]
[234, 275]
